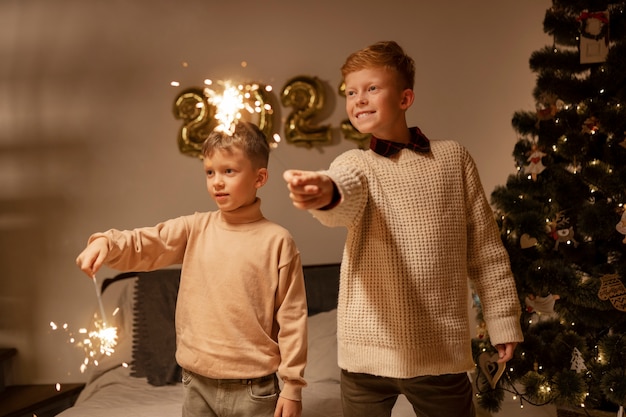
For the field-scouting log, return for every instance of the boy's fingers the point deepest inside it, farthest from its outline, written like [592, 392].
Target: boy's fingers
[291, 175]
[300, 178]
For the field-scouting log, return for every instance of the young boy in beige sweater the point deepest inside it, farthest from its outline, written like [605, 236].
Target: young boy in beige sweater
[241, 310]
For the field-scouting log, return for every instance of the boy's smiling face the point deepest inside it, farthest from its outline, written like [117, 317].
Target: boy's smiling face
[231, 179]
[376, 103]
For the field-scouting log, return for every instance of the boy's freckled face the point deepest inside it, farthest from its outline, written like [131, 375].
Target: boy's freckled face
[231, 180]
[374, 102]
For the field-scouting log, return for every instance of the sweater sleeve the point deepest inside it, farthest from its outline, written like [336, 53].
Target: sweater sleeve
[488, 263]
[291, 317]
[146, 248]
[348, 174]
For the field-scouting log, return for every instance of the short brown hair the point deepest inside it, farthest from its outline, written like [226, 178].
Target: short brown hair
[245, 136]
[386, 54]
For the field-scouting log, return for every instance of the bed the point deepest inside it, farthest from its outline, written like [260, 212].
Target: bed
[140, 377]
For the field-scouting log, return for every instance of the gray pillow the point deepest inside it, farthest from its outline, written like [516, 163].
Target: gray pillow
[154, 336]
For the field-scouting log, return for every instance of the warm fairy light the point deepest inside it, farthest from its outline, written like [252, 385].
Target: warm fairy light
[57, 386]
[276, 141]
[175, 84]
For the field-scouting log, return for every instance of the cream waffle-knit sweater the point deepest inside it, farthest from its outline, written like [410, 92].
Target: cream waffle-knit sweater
[419, 225]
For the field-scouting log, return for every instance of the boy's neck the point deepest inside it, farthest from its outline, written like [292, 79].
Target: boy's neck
[400, 135]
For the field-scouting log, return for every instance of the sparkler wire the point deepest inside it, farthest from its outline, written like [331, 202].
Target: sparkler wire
[99, 296]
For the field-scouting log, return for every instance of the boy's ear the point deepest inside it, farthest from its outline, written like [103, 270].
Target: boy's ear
[262, 176]
[408, 96]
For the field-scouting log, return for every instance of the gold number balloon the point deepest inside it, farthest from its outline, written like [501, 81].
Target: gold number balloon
[257, 100]
[305, 95]
[195, 106]
[348, 130]
[198, 118]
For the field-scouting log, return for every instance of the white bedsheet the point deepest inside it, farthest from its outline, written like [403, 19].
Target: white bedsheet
[116, 394]
[112, 392]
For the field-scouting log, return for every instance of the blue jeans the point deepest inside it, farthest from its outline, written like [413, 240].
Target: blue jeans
[207, 397]
[431, 396]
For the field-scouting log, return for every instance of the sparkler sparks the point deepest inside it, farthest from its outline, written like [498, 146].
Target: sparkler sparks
[234, 103]
[100, 340]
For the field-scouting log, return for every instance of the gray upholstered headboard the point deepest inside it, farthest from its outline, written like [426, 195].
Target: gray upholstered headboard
[322, 285]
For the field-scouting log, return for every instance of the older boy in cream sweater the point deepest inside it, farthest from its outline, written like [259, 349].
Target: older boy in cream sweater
[419, 225]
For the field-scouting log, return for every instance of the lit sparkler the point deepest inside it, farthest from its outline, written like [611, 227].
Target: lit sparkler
[232, 103]
[101, 340]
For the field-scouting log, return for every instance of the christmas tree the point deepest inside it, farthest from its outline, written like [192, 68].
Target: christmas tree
[563, 219]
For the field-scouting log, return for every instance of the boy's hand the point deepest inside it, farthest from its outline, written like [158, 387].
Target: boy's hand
[505, 351]
[308, 189]
[288, 408]
[93, 256]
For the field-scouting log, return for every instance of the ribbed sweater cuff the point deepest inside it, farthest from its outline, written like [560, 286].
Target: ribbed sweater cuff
[504, 330]
[292, 391]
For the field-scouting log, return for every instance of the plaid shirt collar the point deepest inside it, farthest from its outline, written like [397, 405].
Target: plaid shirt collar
[418, 143]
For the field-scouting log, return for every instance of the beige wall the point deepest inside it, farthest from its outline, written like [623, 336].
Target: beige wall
[88, 140]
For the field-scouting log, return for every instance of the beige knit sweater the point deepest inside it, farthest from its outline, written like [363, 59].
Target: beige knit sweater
[241, 309]
[419, 225]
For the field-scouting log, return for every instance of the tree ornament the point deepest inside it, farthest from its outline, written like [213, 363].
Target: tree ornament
[621, 226]
[490, 370]
[578, 363]
[535, 165]
[565, 235]
[612, 288]
[527, 241]
[548, 105]
[481, 331]
[542, 307]
[561, 231]
[594, 39]
[591, 125]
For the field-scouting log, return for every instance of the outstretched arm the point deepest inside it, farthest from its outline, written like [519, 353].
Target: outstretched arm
[309, 190]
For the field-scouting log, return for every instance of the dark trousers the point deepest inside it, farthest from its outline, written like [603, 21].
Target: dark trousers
[431, 396]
